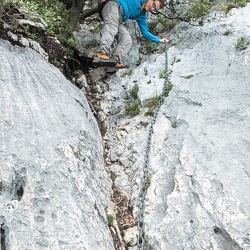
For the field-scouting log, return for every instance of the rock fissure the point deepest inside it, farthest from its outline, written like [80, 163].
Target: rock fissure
[3, 236]
[123, 209]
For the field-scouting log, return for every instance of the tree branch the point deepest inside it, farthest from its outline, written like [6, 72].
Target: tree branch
[88, 13]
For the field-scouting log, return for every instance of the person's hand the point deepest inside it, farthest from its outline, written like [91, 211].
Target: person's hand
[164, 40]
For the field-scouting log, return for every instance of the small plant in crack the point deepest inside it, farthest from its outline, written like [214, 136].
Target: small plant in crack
[128, 72]
[227, 33]
[161, 49]
[147, 183]
[134, 91]
[110, 219]
[175, 60]
[164, 73]
[144, 124]
[242, 43]
[150, 112]
[153, 102]
[168, 89]
[133, 109]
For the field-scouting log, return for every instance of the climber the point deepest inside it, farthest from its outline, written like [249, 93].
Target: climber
[114, 13]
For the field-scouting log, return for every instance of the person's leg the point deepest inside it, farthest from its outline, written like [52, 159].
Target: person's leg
[124, 43]
[111, 19]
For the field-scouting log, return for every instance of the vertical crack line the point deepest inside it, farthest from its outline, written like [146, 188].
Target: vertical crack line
[19, 193]
[2, 232]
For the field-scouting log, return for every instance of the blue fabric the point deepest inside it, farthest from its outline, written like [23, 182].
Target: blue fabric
[132, 10]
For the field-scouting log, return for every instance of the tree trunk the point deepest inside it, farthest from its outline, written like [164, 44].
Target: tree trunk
[88, 12]
[68, 3]
[74, 12]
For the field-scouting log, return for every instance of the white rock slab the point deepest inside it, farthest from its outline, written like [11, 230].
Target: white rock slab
[53, 185]
[199, 194]
[199, 162]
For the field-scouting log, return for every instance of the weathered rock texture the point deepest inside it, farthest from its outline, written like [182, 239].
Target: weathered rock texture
[199, 162]
[53, 185]
[199, 198]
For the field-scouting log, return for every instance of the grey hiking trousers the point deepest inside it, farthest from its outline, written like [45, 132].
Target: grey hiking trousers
[113, 27]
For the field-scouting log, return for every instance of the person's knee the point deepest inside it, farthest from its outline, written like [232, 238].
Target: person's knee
[125, 39]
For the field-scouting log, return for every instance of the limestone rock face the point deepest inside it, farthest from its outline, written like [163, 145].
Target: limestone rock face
[198, 197]
[53, 185]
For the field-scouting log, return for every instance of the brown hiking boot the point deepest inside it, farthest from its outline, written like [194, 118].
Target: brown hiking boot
[103, 60]
[121, 66]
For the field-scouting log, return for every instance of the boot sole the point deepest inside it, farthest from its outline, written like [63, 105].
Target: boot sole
[104, 62]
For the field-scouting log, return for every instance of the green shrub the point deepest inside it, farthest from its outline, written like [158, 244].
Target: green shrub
[111, 219]
[134, 91]
[197, 10]
[241, 3]
[227, 33]
[133, 109]
[150, 112]
[153, 102]
[231, 4]
[166, 23]
[164, 73]
[147, 183]
[128, 72]
[149, 47]
[53, 12]
[221, 7]
[242, 43]
[168, 88]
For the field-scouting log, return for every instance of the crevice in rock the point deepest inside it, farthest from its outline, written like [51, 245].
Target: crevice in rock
[3, 245]
[124, 214]
[19, 192]
[224, 239]
[190, 102]
[3, 234]
[175, 123]
[17, 187]
[122, 205]
[1, 187]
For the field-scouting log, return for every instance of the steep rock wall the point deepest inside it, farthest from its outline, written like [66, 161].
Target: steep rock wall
[53, 185]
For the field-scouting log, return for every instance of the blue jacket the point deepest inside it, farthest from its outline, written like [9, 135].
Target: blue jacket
[132, 10]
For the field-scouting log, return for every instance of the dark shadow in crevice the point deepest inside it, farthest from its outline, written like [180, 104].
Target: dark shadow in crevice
[4, 234]
[224, 240]
[18, 186]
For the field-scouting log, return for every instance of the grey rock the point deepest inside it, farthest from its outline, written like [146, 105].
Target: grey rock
[198, 196]
[53, 185]
[159, 28]
[204, 154]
